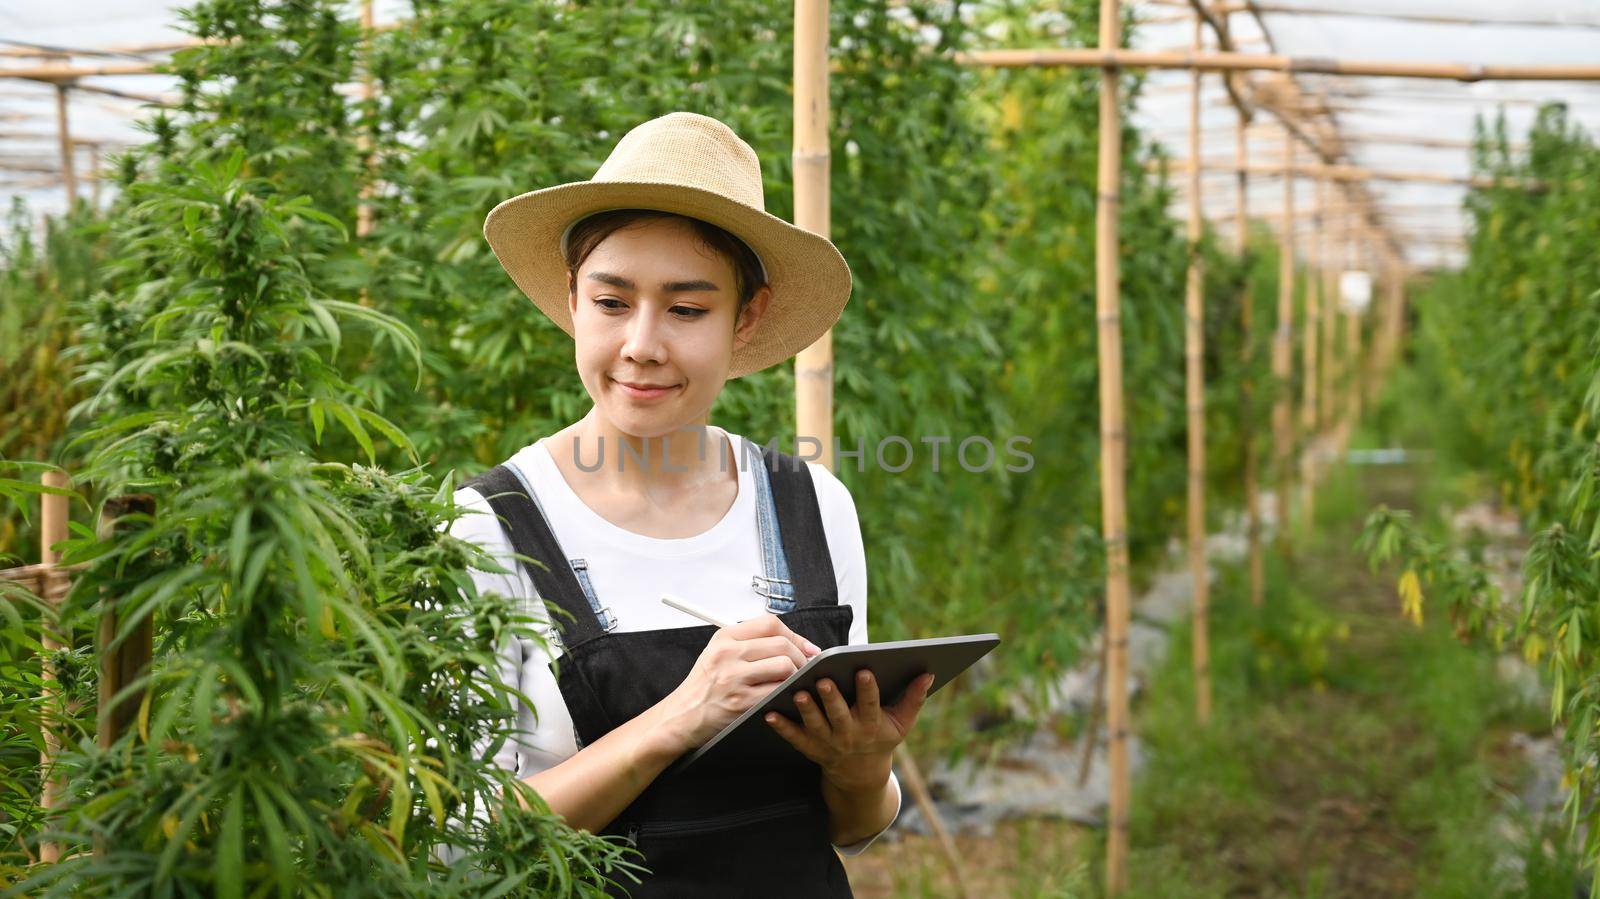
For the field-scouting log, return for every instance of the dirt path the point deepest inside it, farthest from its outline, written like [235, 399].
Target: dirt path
[1356, 755]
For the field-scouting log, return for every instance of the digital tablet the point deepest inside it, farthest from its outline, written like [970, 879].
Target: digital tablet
[895, 665]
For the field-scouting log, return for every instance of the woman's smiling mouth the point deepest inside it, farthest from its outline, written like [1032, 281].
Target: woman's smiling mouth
[645, 391]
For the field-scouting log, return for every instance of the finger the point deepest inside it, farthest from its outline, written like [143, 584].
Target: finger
[767, 647]
[812, 715]
[766, 625]
[805, 646]
[797, 738]
[767, 671]
[867, 699]
[833, 703]
[906, 710]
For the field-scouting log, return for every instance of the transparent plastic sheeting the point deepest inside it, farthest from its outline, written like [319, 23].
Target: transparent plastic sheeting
[29, 146]
[1375, 116]
[1370, 113]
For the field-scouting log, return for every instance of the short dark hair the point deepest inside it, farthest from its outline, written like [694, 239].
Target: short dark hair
[589, 232]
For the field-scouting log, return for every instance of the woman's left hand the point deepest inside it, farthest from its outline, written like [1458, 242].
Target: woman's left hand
[853, 745]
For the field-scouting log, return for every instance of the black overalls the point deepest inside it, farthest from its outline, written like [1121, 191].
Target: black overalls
[726, 826]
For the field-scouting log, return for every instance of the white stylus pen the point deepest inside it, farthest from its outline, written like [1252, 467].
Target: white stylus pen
[683, 605]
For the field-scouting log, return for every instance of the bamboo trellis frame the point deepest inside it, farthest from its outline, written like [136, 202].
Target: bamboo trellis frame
[1195, 401]
[1355, 209]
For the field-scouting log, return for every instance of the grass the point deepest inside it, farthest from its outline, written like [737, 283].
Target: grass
[1352, 754]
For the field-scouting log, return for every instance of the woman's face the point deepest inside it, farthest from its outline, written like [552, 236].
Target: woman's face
[653, 307]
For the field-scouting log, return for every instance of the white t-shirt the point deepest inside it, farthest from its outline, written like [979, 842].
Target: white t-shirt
[630, 571]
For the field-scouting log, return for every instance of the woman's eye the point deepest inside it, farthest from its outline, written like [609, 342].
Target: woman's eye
[682, 311]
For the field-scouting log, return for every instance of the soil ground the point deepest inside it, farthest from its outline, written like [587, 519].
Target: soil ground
[1352, 754]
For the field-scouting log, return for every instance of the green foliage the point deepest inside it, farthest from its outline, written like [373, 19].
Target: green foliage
[1347, 756]
[1511, 345]
[316, 698]
[244, 341]
[38, 280]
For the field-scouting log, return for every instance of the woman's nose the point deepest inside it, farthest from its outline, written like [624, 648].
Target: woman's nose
[644, 341]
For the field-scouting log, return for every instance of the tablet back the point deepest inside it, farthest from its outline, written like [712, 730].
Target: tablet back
[895, 665]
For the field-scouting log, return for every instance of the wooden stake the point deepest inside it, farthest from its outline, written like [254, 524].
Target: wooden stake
[364, 142]
[363, 139]
[1195, 391]
[64, 134]
[924, 799]
[52, 530]
[1357, 174]
[1311, 333]
[813, 366]
[1282, 426]
[1331, 264]
[124, 663]
[1091, 57]
[94, 175]
[1113, 449]
[1252, 490]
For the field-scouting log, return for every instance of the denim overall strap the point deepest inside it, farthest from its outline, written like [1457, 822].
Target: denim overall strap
[519, 512]
[803, 541]
[774, 582]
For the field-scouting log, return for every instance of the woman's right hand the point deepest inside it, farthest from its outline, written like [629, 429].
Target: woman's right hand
[737, 668]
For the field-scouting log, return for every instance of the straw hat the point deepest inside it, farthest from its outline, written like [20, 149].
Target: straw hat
[693, 165]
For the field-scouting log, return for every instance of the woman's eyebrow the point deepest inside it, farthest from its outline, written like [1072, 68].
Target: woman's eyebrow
[666, 287]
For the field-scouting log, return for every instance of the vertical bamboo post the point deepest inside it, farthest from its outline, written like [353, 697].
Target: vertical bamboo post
[1311, 333]
[363, 139]
[364, 219]
[1354, 355]
[1195, 390]
[1113, 449]
[1283, 333]
[124, 663]
[1247, 388]
[813, 366]
[94, 174]
[1334, 225]
[52, 530]
[64, 135]
[1388, 343]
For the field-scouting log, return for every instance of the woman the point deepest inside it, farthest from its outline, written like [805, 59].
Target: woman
[672, 278]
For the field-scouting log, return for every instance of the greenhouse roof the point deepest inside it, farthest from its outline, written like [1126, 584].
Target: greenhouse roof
[1410, 137]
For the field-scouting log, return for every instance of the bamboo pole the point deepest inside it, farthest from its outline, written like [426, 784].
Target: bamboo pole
[1282, 426]
[1113, 449]
[363, 138]
[813, 366]
[1310, 334]
[1397, 15]
[64, 135]
[1252, 490]
[1353, 173]
[94, 175]
[1088, 57]
[364, 222]
[1195, 390]
[1331, 264]
[124, 663]
[924, 800]
[52, 530]
[57, 73]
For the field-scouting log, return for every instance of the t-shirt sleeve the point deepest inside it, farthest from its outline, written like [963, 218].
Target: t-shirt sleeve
[843, 529]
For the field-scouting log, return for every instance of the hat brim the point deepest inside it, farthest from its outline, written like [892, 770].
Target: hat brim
[809, 278]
